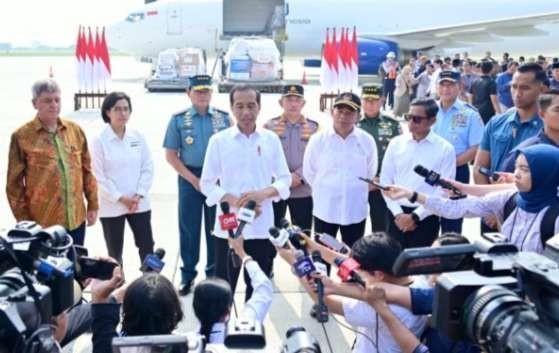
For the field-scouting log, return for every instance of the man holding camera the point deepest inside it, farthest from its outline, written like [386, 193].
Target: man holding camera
[412, 225]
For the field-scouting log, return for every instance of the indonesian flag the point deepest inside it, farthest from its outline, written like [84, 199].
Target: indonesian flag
[326, 68]
[97, 71]
[105, 60]
[334, 61]
[80, 58]
[89, 62]
[345, 62]
[354, 52]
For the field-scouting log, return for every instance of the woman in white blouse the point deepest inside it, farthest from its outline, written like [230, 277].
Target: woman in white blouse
[536, 194]
[123, 168]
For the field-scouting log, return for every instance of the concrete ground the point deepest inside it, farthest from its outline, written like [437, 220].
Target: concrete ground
[151, 112]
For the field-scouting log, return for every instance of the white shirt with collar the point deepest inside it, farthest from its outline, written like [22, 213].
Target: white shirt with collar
[332, 166]
[241, 164]
[257, 307]
[122, 167]
[403, 154]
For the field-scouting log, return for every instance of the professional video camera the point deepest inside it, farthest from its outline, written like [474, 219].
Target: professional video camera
[499, 298]
[38, 268]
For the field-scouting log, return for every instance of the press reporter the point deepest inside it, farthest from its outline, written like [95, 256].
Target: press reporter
[213, 298]
[536, 181]
[376, 254]
[150, 306]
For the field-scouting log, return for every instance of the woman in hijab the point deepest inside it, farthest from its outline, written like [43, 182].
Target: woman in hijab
[536, 180]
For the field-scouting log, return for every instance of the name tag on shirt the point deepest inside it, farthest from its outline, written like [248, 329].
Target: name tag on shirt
[135, 143]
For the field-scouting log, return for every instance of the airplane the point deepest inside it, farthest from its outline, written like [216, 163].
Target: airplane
[520, 27]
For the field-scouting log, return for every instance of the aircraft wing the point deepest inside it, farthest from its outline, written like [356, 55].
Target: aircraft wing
[460, 35]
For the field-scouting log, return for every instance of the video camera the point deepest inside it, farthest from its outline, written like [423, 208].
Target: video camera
[497, 297]
[38, 268]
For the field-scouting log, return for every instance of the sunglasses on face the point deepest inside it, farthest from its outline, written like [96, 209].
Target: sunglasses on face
[415, 118]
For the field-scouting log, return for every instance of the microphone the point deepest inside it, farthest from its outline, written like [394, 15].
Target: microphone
[347, 270]
[227, 221]
[279, 237]
[153, 262]
[303, 265]
[322, 309]
[433, 178]
[294, 237]
[246, 216]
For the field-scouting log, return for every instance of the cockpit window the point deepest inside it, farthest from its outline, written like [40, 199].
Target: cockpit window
[135, 17]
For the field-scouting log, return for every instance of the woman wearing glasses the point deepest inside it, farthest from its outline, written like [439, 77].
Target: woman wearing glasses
[123, 167]
[411, 223]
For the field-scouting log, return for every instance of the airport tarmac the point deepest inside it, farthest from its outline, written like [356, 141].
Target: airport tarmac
[151, 113]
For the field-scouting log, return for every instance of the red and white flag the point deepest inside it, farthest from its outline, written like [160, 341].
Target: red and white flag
[326, 68]
[80, 58]
[354, 52]
[97, 72]
[105, 60]
[89, 62]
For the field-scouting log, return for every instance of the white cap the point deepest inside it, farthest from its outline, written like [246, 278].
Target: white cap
[391, 55]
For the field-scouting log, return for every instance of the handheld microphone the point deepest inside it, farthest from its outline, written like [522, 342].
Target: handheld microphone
[228, 222]
[303, 265]
[294, 237]
[322, 309]
[347, 270]
[279, 237]
[153, 262]
[433, 178]
[246, 216]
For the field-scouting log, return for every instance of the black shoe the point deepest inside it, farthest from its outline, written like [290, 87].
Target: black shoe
[185, 288]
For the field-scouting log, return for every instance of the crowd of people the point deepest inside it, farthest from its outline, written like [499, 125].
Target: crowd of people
[497, 123]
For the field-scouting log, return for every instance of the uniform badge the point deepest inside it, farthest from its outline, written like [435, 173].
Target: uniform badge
[459, 120]
[189, 140]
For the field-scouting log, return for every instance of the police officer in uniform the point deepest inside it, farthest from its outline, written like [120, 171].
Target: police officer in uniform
[383, 128]
[185, 146]
[294, 131]
[461, 125]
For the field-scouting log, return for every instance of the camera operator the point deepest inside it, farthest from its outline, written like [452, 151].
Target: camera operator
[523, 213]
[213, 298]
[150, 306]
[376, 254]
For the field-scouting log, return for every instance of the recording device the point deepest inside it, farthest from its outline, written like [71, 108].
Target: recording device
[37, 281]
[153, 262]
[499, 298]
[347, 270]
[279, 237]
[244, 332]
[374, 183]
[320, 266]
[93, 268]
[433, 178]
[228, 222]
[332, 243]
[245, 216]
[298, 340]
[295, 237]
[488, 173]
[303, 266]
[192, 343]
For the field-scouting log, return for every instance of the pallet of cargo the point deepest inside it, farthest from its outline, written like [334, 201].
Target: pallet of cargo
[262, 86]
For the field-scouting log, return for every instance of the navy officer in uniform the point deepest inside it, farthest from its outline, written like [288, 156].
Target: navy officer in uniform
[461, 125]
[294, 131]
[185, 146]
[383, 129]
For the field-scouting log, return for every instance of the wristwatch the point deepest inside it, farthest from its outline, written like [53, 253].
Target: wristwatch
[415, 217]
[413, 197]
[247, 259]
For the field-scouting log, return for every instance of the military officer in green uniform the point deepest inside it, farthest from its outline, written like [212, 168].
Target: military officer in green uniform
[185, 146]
[383, 128]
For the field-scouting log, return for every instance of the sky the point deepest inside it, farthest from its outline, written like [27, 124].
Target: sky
[55, 22]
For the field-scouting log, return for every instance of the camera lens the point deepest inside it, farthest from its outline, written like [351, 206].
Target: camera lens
[489, 311]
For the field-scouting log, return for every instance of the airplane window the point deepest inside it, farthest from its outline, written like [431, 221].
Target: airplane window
[135, 17]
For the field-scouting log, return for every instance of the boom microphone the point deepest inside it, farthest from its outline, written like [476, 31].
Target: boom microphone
[433, 178]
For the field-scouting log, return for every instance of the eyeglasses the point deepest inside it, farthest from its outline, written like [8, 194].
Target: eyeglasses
[125, 109]
[415, 118]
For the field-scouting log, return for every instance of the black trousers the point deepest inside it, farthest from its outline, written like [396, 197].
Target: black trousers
[426, 232]
[258, 249]
[378, 211]
[113, 230]
[300, 210]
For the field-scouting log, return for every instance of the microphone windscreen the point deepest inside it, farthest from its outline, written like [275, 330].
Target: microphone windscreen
[421, 170]
[284, 223]
[224, 207]
[251, 204]
[160, 253]
[274, 232]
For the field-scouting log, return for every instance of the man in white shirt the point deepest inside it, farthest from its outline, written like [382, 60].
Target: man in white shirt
[334, 161]
[412, 225]
[249, 164]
